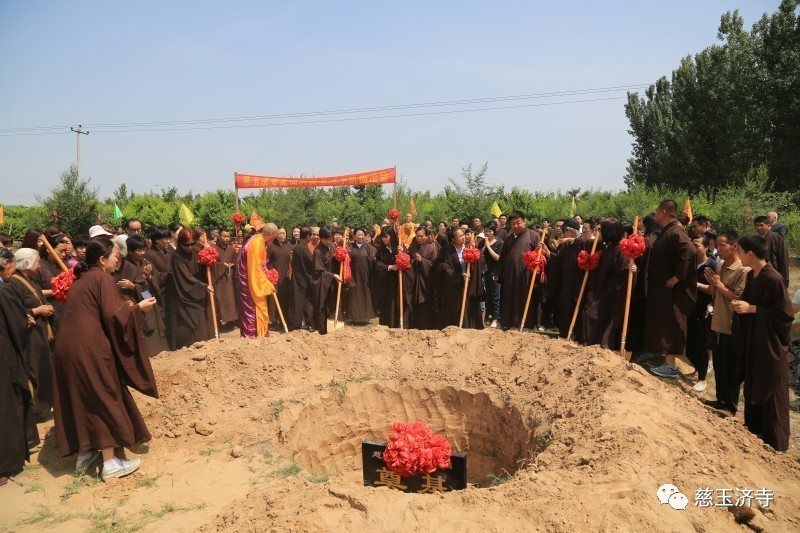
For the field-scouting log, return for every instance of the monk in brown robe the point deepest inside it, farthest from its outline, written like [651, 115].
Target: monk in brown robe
[424, 253]
[387, 282]
[159, 254]
[362, 265]
[153, 324]
[223, 280]
[671, 291]
[301, 308]
[279, 253]
[94, 410]
[564, 279]
[452, 275]
[50, 269]
[606, 290]
[777, 251]
[637, 316]
[188, 290]
[324, 278]
[19, 433]
[512, 273]
[761, 336]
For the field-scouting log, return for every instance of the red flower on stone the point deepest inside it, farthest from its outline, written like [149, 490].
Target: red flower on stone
[534, 260]
[61, 284]
[272, 276]
[470, 255]
[394, 214]
[633, 247]
[414, 449]
[238, 219]
[207, 256]
[587, 261]
[403, 261]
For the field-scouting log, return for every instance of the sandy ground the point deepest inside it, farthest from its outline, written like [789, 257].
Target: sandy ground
[265, 435]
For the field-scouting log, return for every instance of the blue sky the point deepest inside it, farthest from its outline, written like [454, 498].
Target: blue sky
[82, 62]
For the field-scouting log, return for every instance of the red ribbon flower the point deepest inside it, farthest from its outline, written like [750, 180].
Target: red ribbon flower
[587, 261]
[535, 260]
[633, 247]
[470, 255]
[207, 256]
[341, 255]
[414, 449]
[403, 261]
[272, 276]
[238, 219]
[394, 214]
[61, 284]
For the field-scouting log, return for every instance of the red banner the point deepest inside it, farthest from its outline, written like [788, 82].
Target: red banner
[375, 177]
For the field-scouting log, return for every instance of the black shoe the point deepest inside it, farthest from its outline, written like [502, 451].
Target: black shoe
[721, 406]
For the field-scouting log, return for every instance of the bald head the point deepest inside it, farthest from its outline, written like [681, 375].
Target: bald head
[269, 231]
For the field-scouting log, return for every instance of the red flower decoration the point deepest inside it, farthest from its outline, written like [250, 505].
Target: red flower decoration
[340, 254]
[272, 276]
[535, 261]
[207, 256]
[587, 261]
[394, 214]
[470, 255]
[403, 261]
[633, 247]
[238, 219]
[61, 284]
[414, 449]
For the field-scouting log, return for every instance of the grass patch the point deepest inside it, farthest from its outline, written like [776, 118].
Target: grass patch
[31, 467]
[495, 480]
[208, 451]
[337, 386]
[276, 408]
[170, 508]
[287, 471]
[34, 488]
[317, 478]
[147, 481]
[360, 379]
[44, 513]
[76, 485]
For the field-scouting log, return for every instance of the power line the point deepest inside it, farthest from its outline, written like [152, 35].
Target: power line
[131, 126]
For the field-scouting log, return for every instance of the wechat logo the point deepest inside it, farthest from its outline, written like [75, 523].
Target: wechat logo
[669, 494]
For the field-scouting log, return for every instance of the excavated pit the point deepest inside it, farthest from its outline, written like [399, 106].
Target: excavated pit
[325, 437]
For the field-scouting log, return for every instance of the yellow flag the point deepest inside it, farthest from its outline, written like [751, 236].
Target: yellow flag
[688, 209]
[256, 222]
[496, 210]
[186, 217]
[2, 215]
[572, 208]
[413, 207]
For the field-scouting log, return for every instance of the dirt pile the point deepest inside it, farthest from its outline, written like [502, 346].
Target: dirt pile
[265, 435]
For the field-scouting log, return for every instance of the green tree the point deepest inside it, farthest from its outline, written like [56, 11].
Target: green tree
[73, 202]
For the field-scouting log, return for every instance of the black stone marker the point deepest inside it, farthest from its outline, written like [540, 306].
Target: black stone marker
[377, 474]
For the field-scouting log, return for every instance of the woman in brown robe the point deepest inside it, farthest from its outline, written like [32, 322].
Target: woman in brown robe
[159, 254]
[19, 433]
[387, 282]
[362, 265]
[188, 291]
[564, 279]
[222, 275]
[424, 252]
[452, 271]
[49, 269]
[41, 335]
[761, 337]
[606, 290]
[94, 410]
[146, 281]
[324, 277]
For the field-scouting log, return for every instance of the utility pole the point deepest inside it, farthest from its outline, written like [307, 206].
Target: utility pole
[79, 132]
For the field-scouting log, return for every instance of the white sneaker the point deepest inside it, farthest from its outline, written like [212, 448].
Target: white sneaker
[83, 463]
[120, 467]
[494, 324]
[700, 386]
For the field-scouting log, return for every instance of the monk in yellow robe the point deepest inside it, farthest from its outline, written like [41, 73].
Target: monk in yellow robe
[253, 286]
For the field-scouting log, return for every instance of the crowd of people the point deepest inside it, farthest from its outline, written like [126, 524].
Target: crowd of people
[717, 298]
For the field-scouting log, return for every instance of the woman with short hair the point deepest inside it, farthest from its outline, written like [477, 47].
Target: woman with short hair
[95, 413]
[155, 335]
[188, 294]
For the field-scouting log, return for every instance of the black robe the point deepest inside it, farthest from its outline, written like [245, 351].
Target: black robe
[637, 317]
[761, 340]
[223, 279]
[387, 283]
[451, 290]
[362, 264]
[604, 306]
[778, 255]
[162, 279]
[301, 307]
[423, 299]
[564, 280]
[153, 325]
[47, 271]
[280, 258]
[16, 400]
[323, 283]
[515, 278]
[188, 292]
[673, 254]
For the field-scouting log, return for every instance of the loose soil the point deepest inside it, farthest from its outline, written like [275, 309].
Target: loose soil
[264, 435]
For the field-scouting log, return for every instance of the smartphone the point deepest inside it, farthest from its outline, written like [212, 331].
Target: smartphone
[146, 295]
